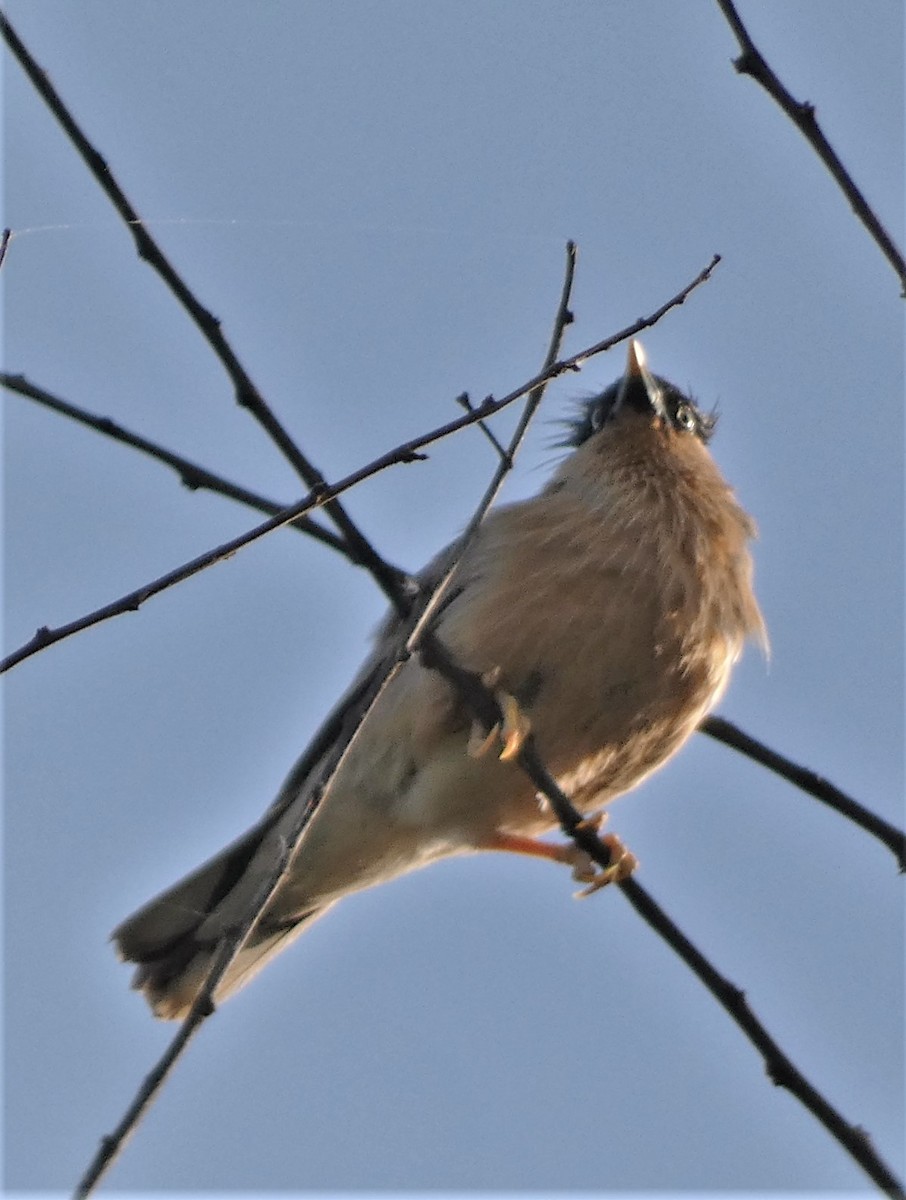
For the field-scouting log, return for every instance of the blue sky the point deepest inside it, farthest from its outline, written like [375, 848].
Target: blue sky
[374, 199]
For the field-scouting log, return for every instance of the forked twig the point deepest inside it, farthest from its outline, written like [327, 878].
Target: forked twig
[193, 476]
[752, 62]
[465, 401]
[247, 394]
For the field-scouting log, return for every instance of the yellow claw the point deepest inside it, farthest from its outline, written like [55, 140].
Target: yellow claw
[622, 864]
[516, 726]
[512, 731]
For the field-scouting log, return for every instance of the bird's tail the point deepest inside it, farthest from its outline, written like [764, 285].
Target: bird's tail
[174, 937]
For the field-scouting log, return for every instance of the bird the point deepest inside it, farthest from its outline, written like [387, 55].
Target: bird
[607, 611]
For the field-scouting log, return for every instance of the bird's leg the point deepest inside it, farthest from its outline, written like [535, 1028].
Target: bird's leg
[515, 843]
[512, 730]
[585, 869]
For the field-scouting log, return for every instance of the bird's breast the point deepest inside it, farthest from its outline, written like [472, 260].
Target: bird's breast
[615, 636]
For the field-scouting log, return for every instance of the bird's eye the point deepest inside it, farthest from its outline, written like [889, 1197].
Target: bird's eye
[685, 417]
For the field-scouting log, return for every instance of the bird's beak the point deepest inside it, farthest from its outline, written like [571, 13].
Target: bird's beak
[638, 387]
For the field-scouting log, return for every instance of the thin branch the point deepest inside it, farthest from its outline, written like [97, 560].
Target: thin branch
[247, 394]
[113, 1143]
[193, 476]
[751, 62]
[320, 496]
[4, 244]
[809, 781]
[779, 1066]
[464, 401]
[132, 601]
[469, 686]
[230, 946]
[562, 318]
[233, 942]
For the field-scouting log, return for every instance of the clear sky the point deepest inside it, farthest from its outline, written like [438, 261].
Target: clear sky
[374, 199]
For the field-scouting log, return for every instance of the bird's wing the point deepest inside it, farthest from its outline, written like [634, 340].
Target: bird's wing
[350, 708]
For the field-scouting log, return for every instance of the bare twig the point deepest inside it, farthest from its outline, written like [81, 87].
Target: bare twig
[405, 453]
[507, 455]
[132, 601]
[247, 394]
[230, 946]
[751, 62]
[193, 476]
[232, 943]
[4, 244]
[809, 781]
[779, 1067]
[464, 401]
[113, 1143]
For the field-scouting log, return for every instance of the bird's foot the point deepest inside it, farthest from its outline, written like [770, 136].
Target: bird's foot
[512, 731]
[585, 870]
[622, 864]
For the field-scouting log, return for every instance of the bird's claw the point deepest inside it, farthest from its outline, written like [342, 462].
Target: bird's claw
[622, 864]
[512, 731]
[585, 869]
[516, 726]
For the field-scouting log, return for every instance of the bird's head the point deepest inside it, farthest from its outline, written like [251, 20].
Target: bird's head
[662, 518]
[643, 393]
